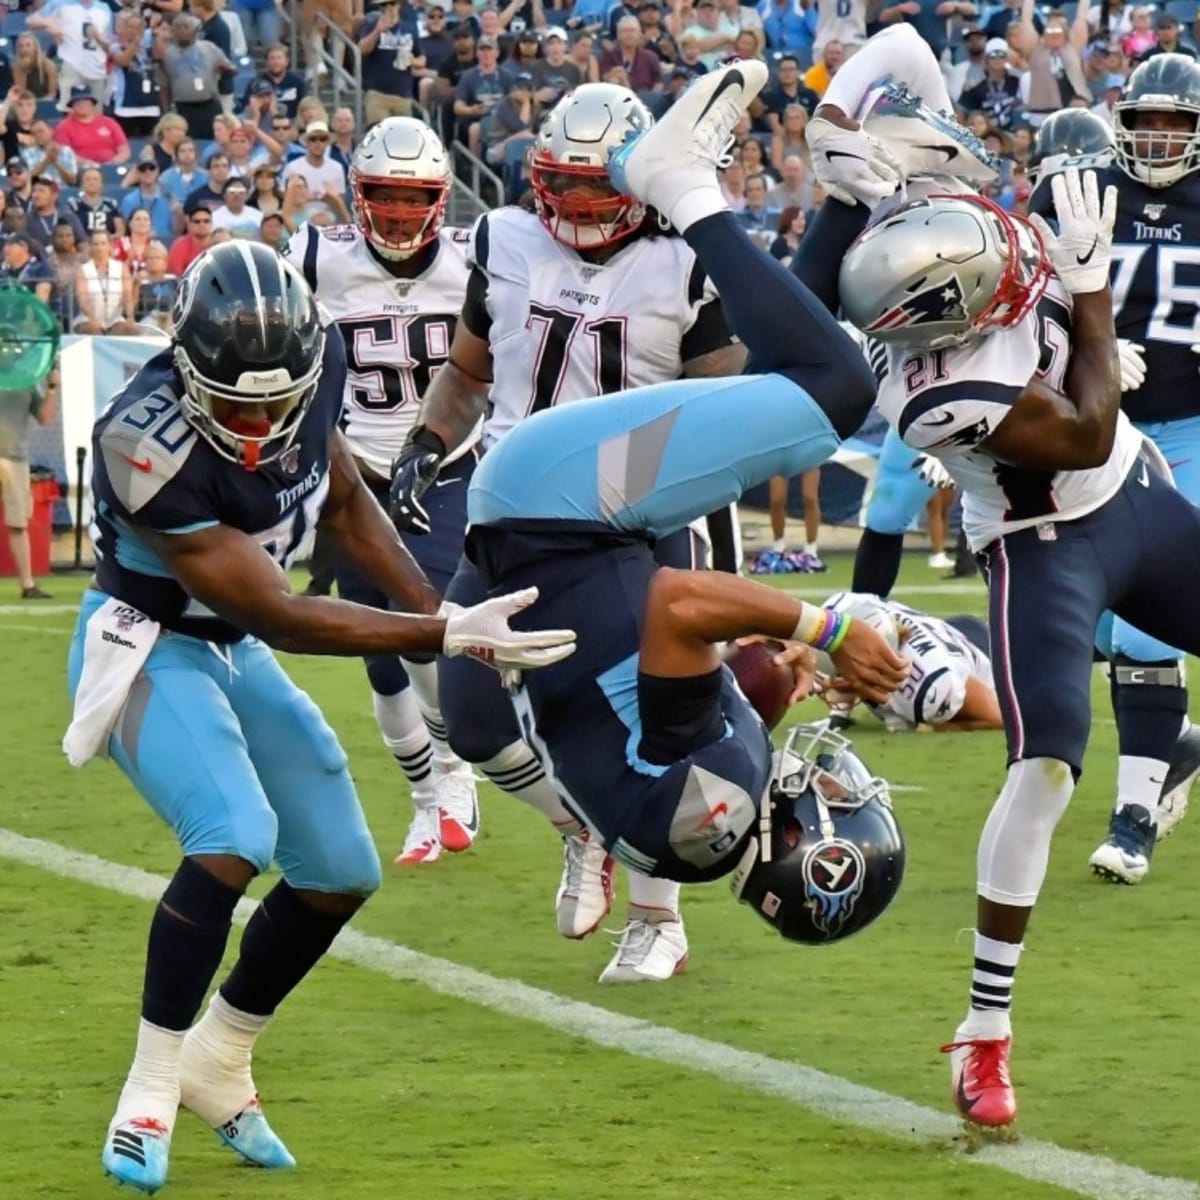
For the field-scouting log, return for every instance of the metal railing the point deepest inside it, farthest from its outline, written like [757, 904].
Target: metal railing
[474, 173]
[344, 77]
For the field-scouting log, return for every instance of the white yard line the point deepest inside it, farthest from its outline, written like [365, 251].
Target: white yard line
[825, 1095]
[31, 608]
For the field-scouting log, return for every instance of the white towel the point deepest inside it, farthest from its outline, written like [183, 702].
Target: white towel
[117, 643]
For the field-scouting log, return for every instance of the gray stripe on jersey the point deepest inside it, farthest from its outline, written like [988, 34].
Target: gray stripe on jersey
[628, 465]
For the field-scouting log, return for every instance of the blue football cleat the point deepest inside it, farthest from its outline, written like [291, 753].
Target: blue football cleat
[135, 1152]
[1124, 857]
[253, 1138]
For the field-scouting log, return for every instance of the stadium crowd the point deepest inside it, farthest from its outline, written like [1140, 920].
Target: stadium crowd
[137, 134]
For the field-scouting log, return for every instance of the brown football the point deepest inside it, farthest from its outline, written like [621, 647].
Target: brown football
[764, 682]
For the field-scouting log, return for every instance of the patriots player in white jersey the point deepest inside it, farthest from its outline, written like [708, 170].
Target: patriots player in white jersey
[395, 283]
[1006, 370]
[950, 685]
[587, 296]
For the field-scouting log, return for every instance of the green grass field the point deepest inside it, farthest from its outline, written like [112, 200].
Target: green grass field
[384, 1087]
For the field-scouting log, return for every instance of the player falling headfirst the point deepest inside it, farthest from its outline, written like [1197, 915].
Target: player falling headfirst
[395, 284]
[1002, 363]
[586, 296]
[209, 469]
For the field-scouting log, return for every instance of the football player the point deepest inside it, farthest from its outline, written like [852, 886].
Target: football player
[586, 296]
[649, 744]
[984, 340]
[1156, 253]
[950, 686]
[209, 469]
[395, 283]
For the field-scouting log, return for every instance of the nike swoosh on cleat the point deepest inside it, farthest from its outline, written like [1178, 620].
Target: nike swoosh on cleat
[1084, 259]
[830, 155]
[951, 152]
[964, 1105]
[734, 78]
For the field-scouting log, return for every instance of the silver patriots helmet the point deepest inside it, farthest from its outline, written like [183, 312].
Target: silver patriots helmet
[828, 856]
[941, 272]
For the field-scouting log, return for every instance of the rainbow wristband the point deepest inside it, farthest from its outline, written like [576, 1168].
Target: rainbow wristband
[839, 636]
[833, 631]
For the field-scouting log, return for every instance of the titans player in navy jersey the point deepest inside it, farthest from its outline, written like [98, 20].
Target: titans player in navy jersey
[1156, 302]
[209, 471]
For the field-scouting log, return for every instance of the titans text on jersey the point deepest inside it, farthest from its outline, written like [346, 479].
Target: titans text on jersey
[152, 470]
[397, 331]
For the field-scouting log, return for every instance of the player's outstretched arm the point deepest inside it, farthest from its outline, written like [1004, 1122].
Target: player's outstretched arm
[368, 539]
[688, 613]
[458, 394]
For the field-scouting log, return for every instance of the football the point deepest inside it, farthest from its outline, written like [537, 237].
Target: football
[764, 682]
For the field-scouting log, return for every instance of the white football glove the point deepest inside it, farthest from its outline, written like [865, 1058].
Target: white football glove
[851, 165]
[1133, 366]
[1081, 250]
[482, 632]
[932, 471]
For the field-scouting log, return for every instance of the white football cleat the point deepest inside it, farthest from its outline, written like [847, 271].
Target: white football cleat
[1182, 770]
[649, 951]
[457, 807]
[423, 843]
[681, 152]
[1124, 856]
[585, 891]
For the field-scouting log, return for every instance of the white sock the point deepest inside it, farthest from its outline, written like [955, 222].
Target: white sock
[697, 204]
[781, 544]
[811, 548]
[653, 899]
[152, 1085]
[214, 1067]
[1139, 781]
[405, 735]
[424, 679]
[517, 771]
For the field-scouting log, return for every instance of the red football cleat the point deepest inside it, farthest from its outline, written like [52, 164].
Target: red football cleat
[979, 1080]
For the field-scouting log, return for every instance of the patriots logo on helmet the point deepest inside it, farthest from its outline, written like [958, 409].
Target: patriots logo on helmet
[944, 302]
[834, 873]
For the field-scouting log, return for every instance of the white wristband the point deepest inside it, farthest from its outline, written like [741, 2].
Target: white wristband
[811, 623]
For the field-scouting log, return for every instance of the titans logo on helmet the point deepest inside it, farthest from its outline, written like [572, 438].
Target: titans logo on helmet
[834, 873]
[945, 302]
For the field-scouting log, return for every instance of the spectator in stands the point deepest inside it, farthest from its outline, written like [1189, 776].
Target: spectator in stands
[260, 20]
[274, 232]
[210, 191]
[154, 289]
[286, 135]
[185, 176]
[587, 16]
[733, 186]
[792, 224]
[169, 132]
[81, 29]
[322, 174]
[244, 156]
[639, 64]
[789, 27]
[794, 189]
[235, 214]
[43, 213]
[196, 238]
[756, 215]
[1142, 35]
[46, 157]
[391, 50]
[301, 205]
[789, 139]
[23, 265]
[437, 44]
[480, 89]
[149, 195]
[103, 291]
[997, 95]
[341, 148]
[16, 410]
[970, 70]
[92, 208]
[997, 25]
[463, 17]
[1055, 59]
[715, 42]
[266, 194]
[1106, 106]
[523, 56]
[514, 120]
[258, 104]
[929, 17]
[12, 219]
[689, 54]
[137, 97]
[19, 191]
[223, 125]
[18, 113]
[817, 77]
[754, 161]
[1113, 19]
[64, 259]
[583, 59]
[94, 137]
[289, 87]
[844, 21]
[451, 71]
[215, 30]
[491, 25]
[554, 76]
[1167, 34]
[194, 68]
[32, 70]
[134, 246]
[736, 18]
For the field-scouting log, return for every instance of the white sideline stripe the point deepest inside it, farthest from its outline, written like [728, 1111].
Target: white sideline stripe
[32, 609]
[912, 589]
[825, 1095]
[57, 630]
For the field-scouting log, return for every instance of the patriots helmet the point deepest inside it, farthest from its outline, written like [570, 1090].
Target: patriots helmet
[828, 856]
[248, 343]
[942, 271]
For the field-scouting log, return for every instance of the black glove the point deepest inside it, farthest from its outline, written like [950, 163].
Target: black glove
[415, 468]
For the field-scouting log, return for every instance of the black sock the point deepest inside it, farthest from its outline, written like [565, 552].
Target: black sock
[877, 562]
[785, 328]
[1149, 704]
[187, 939]
[283, 942]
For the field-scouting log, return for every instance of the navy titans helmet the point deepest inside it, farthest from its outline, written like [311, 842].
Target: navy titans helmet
[828, 856]
[1071, 137]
